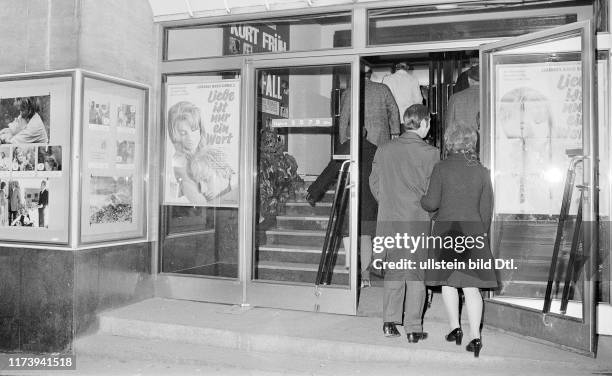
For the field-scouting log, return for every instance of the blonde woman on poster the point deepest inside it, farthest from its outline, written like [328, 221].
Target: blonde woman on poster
[202, 173]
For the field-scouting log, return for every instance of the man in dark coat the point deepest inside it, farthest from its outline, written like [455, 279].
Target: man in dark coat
[400, 175]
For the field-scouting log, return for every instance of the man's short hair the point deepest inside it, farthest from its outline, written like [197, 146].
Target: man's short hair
[474, 73]
[414, 115]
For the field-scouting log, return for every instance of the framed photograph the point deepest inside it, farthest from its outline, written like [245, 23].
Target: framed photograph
[49, 160]
[111, 200]
[35, 134]
[25, 120]
[113, 204]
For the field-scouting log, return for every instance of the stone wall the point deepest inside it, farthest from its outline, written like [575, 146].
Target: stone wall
[49, 296]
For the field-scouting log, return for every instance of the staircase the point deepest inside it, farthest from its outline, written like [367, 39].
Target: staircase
[291, 250]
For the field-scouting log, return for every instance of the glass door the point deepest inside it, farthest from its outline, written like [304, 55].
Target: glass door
[296, 108]
[537, 103]
[201, 230]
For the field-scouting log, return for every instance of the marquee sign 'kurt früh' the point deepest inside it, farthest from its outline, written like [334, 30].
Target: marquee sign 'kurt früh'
[248, 39]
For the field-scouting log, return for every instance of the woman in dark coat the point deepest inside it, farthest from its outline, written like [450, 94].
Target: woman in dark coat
[460, 191]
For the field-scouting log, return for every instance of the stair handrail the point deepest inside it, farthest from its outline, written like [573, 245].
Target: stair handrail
[563, 214]
[335, 236]
[323, 262]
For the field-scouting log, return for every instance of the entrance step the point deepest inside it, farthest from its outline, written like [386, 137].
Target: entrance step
[298, 272]
[308, 238]
[325, 337]
[528, 289]
[300, 196]
[304, 208]
[291, 253]
[302, 222]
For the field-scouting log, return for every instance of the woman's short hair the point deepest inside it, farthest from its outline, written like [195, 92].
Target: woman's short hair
[27, 106]
[414, 115]
[183, 111]
[460, 137]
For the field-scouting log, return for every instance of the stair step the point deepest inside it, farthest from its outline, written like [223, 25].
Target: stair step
[529, 289]
[296, 237]
[292, 253]
[302, 222]
[301, 208]
[176, 331]
[298, 272]
[327, 196]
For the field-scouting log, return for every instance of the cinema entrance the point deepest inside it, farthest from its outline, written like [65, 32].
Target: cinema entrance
[265, 246]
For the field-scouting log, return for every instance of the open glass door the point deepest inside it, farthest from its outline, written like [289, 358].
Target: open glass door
[295, 107]
[540, 142]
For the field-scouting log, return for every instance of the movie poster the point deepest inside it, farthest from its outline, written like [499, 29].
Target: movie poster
[538, 123]
[202, 144]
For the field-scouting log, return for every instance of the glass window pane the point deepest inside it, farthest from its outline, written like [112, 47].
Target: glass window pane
[201, 184]
[275, 35]
[298, 111]
[469, 21]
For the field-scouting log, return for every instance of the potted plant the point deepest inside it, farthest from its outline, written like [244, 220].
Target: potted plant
[277, 176]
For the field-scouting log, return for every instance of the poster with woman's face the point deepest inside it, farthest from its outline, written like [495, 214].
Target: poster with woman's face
[202, 144]
[537, 122]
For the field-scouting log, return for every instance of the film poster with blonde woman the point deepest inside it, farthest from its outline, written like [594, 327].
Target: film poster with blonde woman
[202, 129]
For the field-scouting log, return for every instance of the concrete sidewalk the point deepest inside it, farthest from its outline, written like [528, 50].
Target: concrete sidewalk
[271, 333]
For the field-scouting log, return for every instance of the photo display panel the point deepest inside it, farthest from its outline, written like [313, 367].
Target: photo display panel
[35, 124]
[113, 162]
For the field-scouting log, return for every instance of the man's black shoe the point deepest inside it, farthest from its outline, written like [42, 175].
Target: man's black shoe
[414, 337]
[311, 201]
[389, 330]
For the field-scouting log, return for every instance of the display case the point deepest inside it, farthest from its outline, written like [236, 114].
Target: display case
[73, 160]
[35, 153]
[113, 157]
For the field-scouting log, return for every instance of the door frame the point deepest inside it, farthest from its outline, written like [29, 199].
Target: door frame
[577, 334]
[197, 287]
[330, 299]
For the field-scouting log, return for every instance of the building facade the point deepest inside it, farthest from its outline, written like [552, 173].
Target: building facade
[186, 147]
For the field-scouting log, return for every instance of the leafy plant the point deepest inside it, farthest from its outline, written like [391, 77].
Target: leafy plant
[277, 175]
